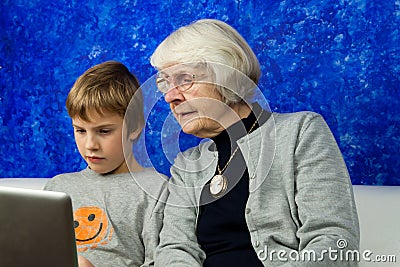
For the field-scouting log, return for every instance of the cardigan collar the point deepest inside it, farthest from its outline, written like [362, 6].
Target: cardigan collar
[252, 146]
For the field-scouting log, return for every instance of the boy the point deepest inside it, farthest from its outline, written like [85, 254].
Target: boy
[116, 221]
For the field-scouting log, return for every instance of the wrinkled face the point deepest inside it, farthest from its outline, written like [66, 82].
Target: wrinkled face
[200, 110]
[90, 225]
[99, 142]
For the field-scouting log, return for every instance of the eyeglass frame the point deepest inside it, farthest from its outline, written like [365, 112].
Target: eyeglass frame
[182, 86]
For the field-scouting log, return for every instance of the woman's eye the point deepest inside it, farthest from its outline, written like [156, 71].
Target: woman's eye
[184, 78]
[160, 80]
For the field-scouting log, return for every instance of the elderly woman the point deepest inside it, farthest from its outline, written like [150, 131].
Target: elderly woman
[267, 189]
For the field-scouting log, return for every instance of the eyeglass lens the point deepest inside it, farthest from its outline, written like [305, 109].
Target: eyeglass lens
[182, 81]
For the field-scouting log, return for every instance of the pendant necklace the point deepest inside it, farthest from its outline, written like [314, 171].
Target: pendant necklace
[219, 183]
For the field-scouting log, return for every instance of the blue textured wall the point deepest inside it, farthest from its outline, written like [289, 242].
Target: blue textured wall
[338, 58]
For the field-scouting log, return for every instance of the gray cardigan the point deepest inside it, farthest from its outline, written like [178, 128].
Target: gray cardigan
[300, 210]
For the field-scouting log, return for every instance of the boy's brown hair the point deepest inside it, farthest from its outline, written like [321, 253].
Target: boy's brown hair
[107, 87]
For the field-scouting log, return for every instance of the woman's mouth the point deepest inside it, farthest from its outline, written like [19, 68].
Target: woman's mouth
[186, 115]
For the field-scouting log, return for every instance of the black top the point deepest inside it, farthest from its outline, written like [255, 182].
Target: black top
[221, 230]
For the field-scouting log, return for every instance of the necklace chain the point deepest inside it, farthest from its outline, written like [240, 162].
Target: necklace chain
[237, 147]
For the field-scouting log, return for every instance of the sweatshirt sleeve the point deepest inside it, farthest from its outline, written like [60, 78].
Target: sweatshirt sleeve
[153, 224]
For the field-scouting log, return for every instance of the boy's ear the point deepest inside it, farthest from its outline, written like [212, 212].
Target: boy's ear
[135, 134]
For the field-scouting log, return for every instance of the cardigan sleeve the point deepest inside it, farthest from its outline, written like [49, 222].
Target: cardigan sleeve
[324, 198]
[178, 241]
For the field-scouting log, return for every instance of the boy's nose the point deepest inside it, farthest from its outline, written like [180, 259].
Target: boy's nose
[91, 143]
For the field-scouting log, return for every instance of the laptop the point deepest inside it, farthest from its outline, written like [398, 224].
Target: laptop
[36, 228]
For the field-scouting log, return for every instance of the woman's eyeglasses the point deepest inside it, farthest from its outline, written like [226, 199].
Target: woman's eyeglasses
[182, 81]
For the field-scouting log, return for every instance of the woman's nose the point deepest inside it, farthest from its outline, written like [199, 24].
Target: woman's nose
[173, 94]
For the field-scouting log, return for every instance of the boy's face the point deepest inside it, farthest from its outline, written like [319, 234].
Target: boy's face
[99, 142]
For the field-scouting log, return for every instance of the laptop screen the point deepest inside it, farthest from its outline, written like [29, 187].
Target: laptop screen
[36, 228]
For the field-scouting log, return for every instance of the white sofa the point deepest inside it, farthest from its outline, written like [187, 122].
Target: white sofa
[378, 211]
[379, 214]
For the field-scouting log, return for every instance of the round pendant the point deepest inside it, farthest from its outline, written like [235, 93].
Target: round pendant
[218, 185]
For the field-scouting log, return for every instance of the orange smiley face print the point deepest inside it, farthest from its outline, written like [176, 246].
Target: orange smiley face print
[91, 228]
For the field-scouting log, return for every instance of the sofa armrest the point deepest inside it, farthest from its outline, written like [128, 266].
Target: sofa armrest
[379, 215]
[30, 183]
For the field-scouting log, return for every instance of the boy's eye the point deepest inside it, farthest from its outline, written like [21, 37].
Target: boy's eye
[104, 131]
[80, 131]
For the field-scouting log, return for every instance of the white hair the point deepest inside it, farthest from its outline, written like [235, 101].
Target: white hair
[221, 48]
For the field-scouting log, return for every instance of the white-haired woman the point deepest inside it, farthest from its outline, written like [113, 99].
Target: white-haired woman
[268, 189]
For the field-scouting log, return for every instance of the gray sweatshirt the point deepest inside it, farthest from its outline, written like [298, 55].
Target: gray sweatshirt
[117, 217]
